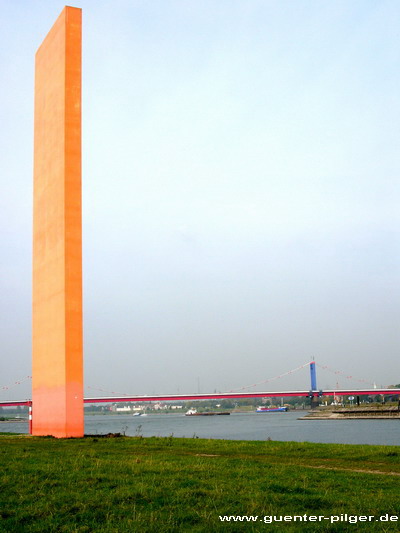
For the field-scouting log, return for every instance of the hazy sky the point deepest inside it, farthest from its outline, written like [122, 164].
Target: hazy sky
[240, 191]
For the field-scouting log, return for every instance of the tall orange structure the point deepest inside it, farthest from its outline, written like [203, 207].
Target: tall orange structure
[57, 353]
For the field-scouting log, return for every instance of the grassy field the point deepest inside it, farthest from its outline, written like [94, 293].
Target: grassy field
[133, 484]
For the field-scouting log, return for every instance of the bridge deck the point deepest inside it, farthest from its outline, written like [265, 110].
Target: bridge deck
[221, 396]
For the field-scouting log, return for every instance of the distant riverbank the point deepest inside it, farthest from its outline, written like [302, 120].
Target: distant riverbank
[364, 413]
[5, 419]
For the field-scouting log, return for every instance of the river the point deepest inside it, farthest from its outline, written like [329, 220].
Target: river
[241, 426]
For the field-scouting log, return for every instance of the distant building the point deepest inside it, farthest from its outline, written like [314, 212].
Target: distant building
[124, 409]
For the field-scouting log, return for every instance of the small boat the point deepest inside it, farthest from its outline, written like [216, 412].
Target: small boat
[193, 412]
[139, 414]
[263, 409]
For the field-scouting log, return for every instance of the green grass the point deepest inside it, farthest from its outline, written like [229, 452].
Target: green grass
[170, 485]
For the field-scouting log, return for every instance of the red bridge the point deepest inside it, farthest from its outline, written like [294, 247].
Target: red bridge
[312, 393]
[224, 395]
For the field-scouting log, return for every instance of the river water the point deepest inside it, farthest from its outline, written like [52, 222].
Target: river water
[242, 426]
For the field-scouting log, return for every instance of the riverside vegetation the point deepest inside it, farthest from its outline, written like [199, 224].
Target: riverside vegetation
[135, 484]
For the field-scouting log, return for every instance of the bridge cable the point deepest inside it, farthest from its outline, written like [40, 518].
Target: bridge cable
[271, 379]
[343, 374]
[19, 382]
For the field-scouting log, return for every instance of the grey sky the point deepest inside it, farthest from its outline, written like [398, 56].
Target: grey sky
[240, 186]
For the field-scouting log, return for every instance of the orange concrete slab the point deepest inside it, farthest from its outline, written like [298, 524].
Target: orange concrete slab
[57, 353]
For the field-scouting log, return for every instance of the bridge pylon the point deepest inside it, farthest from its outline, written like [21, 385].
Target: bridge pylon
[314, 393]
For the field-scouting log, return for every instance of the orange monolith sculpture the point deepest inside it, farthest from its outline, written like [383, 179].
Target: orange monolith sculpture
[57, 354]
